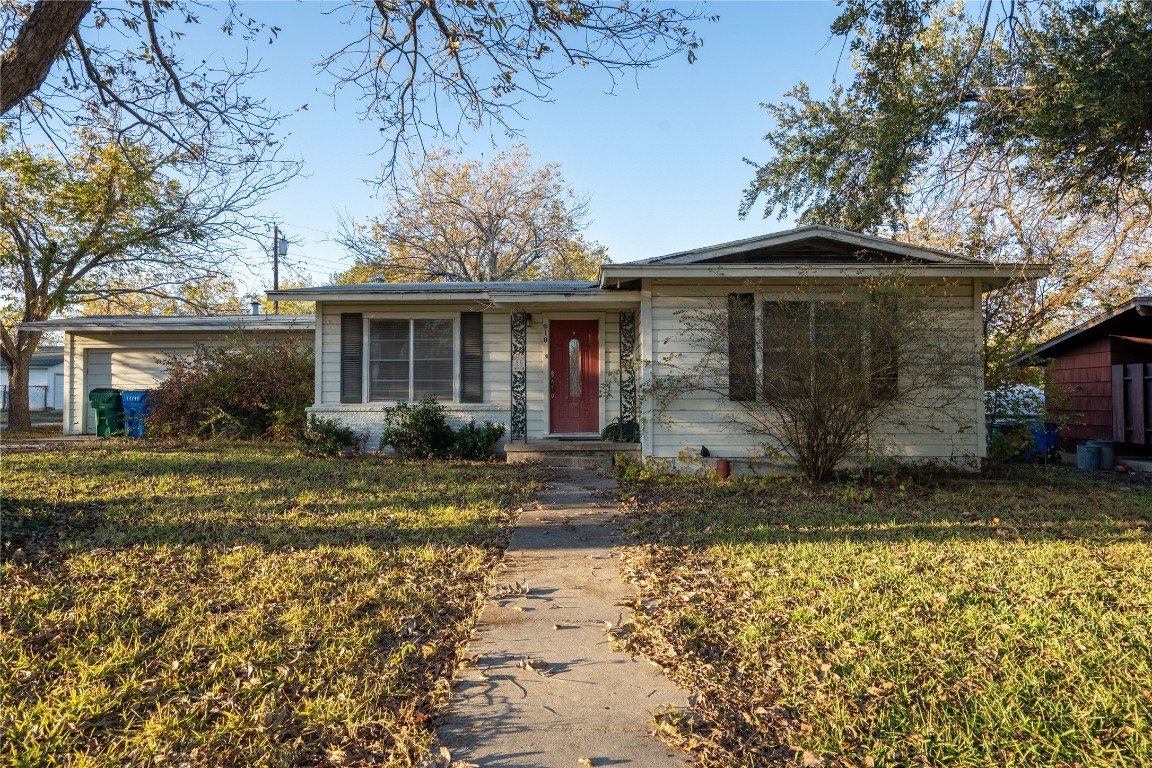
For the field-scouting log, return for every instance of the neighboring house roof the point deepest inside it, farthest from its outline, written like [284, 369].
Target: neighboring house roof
[176, 323]
[47, 357]
[1131, 319]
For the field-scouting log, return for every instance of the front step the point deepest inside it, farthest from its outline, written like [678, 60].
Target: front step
[585, 454]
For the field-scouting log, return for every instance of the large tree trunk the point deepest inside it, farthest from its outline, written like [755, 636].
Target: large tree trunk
[19, 360]
[42, 36]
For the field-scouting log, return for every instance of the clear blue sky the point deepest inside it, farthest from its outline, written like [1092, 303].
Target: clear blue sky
[661, 157]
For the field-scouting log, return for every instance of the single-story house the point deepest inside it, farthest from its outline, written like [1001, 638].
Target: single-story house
[557, 361]
[1100, 377]
[45, 380]
[129, 351]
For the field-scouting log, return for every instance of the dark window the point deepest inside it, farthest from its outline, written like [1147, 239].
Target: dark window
[809, 341]
[408, 359]
[883, 348]
[786, 328]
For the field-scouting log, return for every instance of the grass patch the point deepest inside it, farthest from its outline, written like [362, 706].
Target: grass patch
[953, 622]
[238, 605]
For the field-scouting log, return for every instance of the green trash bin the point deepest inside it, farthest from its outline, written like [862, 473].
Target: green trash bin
[109, 411]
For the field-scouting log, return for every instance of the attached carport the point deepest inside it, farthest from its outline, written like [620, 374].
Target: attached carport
[130, 351]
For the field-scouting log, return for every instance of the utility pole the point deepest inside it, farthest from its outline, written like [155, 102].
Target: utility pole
[275, 265]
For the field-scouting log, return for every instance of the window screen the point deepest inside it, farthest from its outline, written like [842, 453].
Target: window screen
[409, 359]
[786, 332]
[388, 377]
[432, 358]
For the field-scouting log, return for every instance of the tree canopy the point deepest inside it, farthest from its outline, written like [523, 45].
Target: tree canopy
[115, 224]
[463, 220]
[1064, 90]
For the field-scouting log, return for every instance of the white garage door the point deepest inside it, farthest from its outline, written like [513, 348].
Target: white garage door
[137, 369]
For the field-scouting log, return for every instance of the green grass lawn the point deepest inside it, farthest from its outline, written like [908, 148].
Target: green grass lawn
[947, 623]
[238, 605]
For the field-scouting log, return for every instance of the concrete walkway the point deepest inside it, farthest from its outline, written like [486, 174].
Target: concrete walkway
[547, 689]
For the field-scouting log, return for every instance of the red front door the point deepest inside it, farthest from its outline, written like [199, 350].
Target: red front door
[574, 375]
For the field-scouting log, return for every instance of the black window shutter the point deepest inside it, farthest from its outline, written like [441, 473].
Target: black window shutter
[351, 357]
[741, 346]
[472, 357]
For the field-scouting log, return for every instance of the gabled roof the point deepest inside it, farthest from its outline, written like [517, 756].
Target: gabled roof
[1131, 319]
[818, 251]
[175, 323]
[815, 243]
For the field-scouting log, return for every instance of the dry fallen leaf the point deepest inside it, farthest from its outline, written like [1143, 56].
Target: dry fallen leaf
[539, 666]
[811, 760]
[587, 762]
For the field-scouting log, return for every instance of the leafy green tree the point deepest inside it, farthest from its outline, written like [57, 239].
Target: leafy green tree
[1062, 89]
[112, 223]
[458, 221]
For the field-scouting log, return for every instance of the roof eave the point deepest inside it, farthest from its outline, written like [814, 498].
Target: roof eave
[303, 294]
[171, 324]
[990, 275]
[583, 297]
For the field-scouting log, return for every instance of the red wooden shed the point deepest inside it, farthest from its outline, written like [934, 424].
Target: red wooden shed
[1103, 370]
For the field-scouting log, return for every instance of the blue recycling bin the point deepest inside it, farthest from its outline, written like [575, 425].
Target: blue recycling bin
[1045, 440]
[1044, 444]
[135, 404]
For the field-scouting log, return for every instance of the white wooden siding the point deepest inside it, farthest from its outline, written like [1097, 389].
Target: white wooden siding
[704, 419]
[497, 405]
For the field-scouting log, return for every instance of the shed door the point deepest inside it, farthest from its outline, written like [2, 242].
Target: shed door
[574, 376]
[58, 391]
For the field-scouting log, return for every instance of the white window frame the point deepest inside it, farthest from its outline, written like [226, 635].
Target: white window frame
[411, 320]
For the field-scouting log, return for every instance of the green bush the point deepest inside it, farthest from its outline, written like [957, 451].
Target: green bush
[326, 437]
[418, 430]
[474, 442]
[421, 431]
[246, 390]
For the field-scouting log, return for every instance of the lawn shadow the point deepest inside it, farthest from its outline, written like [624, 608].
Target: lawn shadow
[954, 509]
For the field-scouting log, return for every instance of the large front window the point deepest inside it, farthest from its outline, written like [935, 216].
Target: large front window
[804, 343]
[409, 359]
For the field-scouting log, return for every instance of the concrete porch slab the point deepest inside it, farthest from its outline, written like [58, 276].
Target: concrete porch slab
[585, 454]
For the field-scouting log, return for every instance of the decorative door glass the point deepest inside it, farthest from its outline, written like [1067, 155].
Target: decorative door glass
[574, 368]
